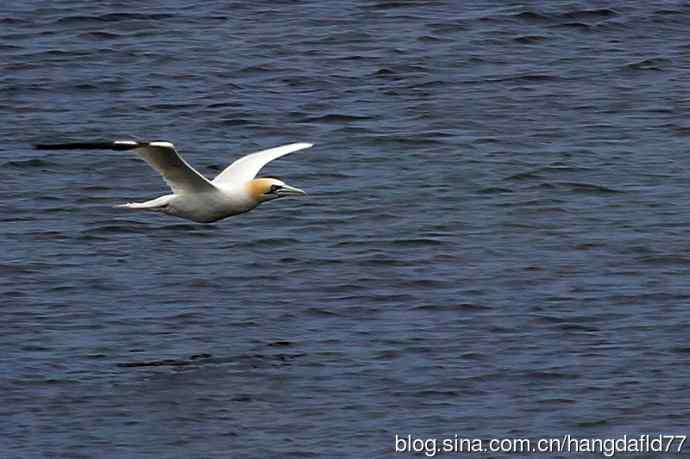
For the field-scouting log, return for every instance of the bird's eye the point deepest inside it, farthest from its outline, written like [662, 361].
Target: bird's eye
[275, 188]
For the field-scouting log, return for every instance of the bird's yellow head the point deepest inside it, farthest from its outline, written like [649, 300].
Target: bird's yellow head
[268, 188]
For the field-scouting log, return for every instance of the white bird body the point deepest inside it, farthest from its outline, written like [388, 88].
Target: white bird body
[204, 207]
[234, 191]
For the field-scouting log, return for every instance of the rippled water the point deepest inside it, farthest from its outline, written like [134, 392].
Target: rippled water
[494, 245]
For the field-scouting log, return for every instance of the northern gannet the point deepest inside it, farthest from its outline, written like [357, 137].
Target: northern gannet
[234, 191]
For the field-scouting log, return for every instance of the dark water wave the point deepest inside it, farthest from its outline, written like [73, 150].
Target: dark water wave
[110, 17]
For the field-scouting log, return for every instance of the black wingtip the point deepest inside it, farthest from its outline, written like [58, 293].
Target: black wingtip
[88, 146]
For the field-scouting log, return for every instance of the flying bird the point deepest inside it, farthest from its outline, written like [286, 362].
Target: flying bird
[234, 191]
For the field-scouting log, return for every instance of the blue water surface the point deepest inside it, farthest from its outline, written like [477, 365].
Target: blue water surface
[494, 244]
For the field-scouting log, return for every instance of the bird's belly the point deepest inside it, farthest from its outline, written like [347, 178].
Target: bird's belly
[205, 207]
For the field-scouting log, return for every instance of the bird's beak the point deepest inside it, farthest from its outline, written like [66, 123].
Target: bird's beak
[287, 190]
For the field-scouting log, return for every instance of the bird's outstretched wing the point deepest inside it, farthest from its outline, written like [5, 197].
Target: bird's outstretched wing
[246, 168]
[162, 156]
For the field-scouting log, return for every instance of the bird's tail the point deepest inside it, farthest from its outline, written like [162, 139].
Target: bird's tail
[136, 205]
[158, 204]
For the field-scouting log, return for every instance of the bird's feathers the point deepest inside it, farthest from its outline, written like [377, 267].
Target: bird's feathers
[179, 175]
[246, 168]
[162, 156]
[117, 145]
